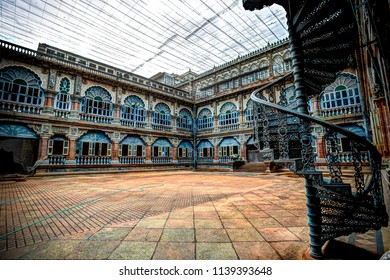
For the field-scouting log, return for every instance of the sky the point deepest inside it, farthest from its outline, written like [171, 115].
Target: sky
[144, 36]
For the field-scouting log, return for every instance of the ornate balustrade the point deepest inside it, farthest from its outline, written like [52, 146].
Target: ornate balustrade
[96, 118]
[161, 127]
[347, 110]
[131, 123]
[161, 160]
[185, 160]
[205, 159]
[21, 108]
[225, 159]
[93, 160]
[56, 159]
[131, 160]
[61, 113]
[229, 127]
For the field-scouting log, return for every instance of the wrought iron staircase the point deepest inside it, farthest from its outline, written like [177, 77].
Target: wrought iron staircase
[323, 37]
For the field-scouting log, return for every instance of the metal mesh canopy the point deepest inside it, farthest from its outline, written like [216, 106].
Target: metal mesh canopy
[144, 37]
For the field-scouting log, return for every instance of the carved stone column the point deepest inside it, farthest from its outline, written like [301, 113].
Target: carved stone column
[48, 107]
[75, 110]
[149, 140]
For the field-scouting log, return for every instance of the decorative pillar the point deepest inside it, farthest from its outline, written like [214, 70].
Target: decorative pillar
[148, 140]
[72, 149]
[114, 151]
[116, 114]
[174, 154]
[174, 122]
[216, 157]
[75, 110]
[48, 107]
[148, 155]
[42, 150]
[149, 119]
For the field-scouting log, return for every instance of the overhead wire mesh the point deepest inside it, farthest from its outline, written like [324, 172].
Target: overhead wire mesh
[144, 37]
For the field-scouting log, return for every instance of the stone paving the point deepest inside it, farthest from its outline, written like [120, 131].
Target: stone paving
[180, 215]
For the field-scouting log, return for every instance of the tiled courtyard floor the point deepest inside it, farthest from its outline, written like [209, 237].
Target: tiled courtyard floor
[157, 215]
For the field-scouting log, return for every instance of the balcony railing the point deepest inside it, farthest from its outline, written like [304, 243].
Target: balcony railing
[348, 157]
[205, 159]
[225, 159]
[131, 123]
[161, 160]
[183, 160]
[132, 160]
[61, 113]
[229, 127]
[348, 110]
[95, 118]
[57, 159]
[93, 160]
[21, 108]
[161, 127]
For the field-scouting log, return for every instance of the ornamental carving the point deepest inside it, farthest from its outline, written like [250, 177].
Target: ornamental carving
[77, 86]
[52, 79]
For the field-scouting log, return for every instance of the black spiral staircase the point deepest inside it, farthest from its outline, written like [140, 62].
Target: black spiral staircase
[323, 38]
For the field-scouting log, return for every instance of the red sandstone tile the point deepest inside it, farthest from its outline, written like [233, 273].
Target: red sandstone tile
[179, 223]
[235, 223]
[255, 251]
[277, 234]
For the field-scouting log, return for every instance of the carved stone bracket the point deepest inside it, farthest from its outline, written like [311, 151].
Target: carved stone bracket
[116, 137]
[148, 139]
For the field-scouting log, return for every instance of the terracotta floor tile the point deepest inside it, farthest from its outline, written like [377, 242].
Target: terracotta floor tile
[264, 222]
[208, 223]
[249, 234]
[144, 234]
[178, 235]
[230, 215]
[277, 234]
[179, 223]
[215, 251]
[174, 251]
[130, 250]
[208, 235]
[236, 223]
[255, 251]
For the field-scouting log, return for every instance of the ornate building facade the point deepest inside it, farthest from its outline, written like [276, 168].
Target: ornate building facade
[63, 112]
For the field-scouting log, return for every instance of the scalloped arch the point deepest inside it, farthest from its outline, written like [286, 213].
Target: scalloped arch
[228, 106]
[98, 91]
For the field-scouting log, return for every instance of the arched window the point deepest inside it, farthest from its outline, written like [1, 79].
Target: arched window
[229, 147]
[343, 92]
[287, 61]
[133, 112]
[62, 100]
[21, 86]
[162, 148]
[249, 111]
[264, 69]
[93, 144]
[228, 114]
[205, 149]
[185, 119]
[205, 119]
[162, 115]
[132, 146]
[184, 150]
[58, 145]
[97, 101]
[277, 66]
